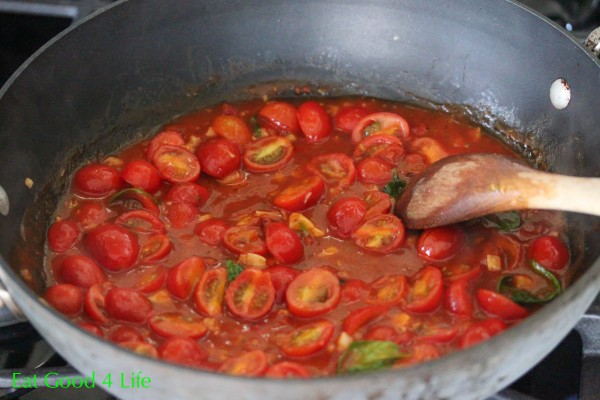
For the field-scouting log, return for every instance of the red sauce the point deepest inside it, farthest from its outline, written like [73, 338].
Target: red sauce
[259, 239]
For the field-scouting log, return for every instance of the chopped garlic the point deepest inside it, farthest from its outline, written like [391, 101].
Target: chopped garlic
[299, 222]
[401, 321]
[210, 132]
[193, 143]
[204, 217]
[493, 262]
[252, 260]
[329, 251]
[29, 183]
[113, 161]
[344, 341]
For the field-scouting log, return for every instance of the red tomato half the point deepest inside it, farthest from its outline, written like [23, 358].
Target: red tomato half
[480, 331]
[457, 299]
[374, 170]
[252, 363]
[347, 118]
[211, 231]
[438, 244]
[283, 243]
[388, 290]
[127, 305]
[380, 123]
[64, 297]
[232, 128]
[176, 164]
[251, 295]
[151, 279]
[80, 271]
[377, 203]
[125, 333]
[114, 247]
[189, 192]
[155, 248]
[281, 277]
[91, 328]
[287, 369]
[96, 180]
[141, 174]
[353, 290]
[268, 154]
[314, 121]
[142, 348]
[280, 116]
[181, 214]
[210, 291]
[94, 304]
[183, 277]
[389, 148]
[380, 234]
[184, 351]
[499, 305]
[90, 214]
[345, 215]
[362, 316]
[334, 168]
[426, 292]
[550, 252]
[307, 339]
[165, 137]
[173, 324]
[245, 239]
[141, 221]
[300, 195]
[218, 157]
[312, 293]
[63, 235]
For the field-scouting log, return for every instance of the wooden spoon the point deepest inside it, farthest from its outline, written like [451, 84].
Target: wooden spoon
[462, 187]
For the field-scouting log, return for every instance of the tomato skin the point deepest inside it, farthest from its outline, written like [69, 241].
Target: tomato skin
[480, 331]
[96, 180]
[313, 293]
[80, 271]
[345, 215]
[63, 235]
[95, 304]
[245, 239]
[232, 128]
[251, 295]
[388, 123]
[377, 203]
[127, 305]
[155, 248]
[280, 116]
[287, 369]
[165, 137]
[252, 363]
[180, 214]
[388, 148]
[90, 214]
[347, 118]
[141, 174]
[141, 221]
[176, 164]
[268, 154]
[210, 291]
[91, 328]
[125, 333]
[281, 277]
[184, 351]
[114, 247]
[438, 334]
[307, 339]
[183, 277]
[362, 316]
[426, 292]
[334, 168]
[370, 234]
[374, 170]
[211, 231]
[283, 243]
[188, 192]
[439, 244]
[353, 290]
[65, 298]
[457, 299]
[314, 121]
[151, 279]
[550, 252]
[388, 290]
[173, 324]
[218, 157]
[499, 305]
[300, 195]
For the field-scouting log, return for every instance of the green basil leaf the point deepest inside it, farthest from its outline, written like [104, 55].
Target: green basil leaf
[368, 355]
[394, 187]
[523, 297]
[505, 221]
[233, 269]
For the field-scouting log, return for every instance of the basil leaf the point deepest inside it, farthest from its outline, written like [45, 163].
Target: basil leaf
[256, 132]
[233, 269]
[394, 187]
[368, 355]
[520, 296]
[505, 221]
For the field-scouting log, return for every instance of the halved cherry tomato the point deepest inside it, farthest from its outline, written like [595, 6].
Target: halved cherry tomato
[80, 271]
[314, 121]
[374, 170]
[377, 203]
[96, 180]
[425, 293]
[353, 290]
[91, 328]
[380, 234]
[63, 235]
[334, 168]
[134, 199]
[300, 195]
[387, 333]
[312, 293]
[113, 246]
[125, 333]
[218, 157]
[141, 174]
[176, 164]
[550, 252]
[188, 192]
[287, 369]
[283, 243]
[281, 277]
[438, 244]
[380, 123]
[245, 239]
[90, 214]
[422, 352]
[173, 324]
[142, 348]
[280, 116]
[184, 351]
[251, 295]
[437, 334]
[252, 363]
[499, 305]
[388, 290]
[347, 118]
[345, 215]
[141, 221]
[460, 271]
[211, 231]
[181, 214]
[232, 128]
[268, 154]
[362, 316]
[457, 299]
[209, 293]
[151, 279]
[64, 297]
[166, 137]
[155, 248]
[94, 304]
[307, 339]
[480, 331]
[127, 305]
[183, 277]
[389, 148]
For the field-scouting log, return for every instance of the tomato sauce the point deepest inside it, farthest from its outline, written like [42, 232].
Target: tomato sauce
[259, 239]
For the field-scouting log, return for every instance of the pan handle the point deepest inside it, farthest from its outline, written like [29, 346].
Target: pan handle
[10, 313]
[589, 330]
